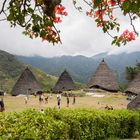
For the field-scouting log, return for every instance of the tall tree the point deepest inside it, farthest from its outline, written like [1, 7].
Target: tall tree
[131, 72]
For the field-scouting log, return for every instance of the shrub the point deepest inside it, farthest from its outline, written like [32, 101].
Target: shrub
[69, 124]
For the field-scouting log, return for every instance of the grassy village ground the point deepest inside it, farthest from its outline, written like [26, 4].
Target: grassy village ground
[116, 100]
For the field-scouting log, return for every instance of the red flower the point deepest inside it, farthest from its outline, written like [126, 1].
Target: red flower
[57, 20]
[99, 14]
[112, 2]
[59, 9]
[89, 14]
[128, 36]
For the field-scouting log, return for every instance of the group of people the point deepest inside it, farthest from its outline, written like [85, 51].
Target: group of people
[108, 107]
[44, 98]
[67, 98]
[68, 101]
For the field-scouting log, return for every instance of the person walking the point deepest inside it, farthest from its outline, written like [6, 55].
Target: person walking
[68, 101]
[58, 100]
[40, 99]
[26, 99]
[2, 108]
[46, 99]
[74, 100]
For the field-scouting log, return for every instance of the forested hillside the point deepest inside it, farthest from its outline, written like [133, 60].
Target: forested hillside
[11, 68]
[81, 67]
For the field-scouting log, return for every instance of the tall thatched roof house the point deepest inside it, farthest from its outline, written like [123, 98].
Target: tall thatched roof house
[26, 84]
[134, 86]
[134, 104]
[64, 83]
[104, 78]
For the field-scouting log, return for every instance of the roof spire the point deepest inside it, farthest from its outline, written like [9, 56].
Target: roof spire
[64, 82]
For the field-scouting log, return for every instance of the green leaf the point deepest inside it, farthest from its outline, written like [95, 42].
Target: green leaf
[126, 6]
[74, 2]
[36, 28]
[42, 33]
[113, 42]
[97, 3]
[49, 23]
[30, 10]
[10, 17]
[117, 29]
[28, 26]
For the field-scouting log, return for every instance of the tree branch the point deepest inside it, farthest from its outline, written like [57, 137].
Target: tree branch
[109, 34]
[88, 4]
[3, 5]
[131, 22]
[3, 19]
[57, 32]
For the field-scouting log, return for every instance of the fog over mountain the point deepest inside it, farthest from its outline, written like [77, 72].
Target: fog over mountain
[81, 67]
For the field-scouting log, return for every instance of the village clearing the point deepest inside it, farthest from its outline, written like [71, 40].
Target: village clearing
[96, 100]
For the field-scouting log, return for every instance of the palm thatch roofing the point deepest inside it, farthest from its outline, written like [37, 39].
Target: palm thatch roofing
[104, 78]
[64, 83]
[134, 86]
[134, 104]
[26, 84]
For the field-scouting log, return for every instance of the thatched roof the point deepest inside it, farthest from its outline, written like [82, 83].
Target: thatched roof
[26, 83]
[134, 86]
[104, 78]
[134, 104]
[64, 82]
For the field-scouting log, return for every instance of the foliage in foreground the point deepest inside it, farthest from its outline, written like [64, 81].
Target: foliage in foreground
[78, 124]
[39, 17]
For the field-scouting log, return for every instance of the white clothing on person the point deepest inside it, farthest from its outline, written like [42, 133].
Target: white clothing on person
[26, 99]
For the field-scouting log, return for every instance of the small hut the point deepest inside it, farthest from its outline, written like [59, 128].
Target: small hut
[64, 83]
[134, 86]
[26, 84]
[104, 78]
[134, 104]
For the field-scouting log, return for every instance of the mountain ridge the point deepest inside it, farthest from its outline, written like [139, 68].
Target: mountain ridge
[81, 67]
[11, 69]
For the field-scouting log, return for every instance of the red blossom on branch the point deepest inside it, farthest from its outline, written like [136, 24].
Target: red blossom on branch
[112, 2]
[128, 36]
[60, 10]
[57, 20]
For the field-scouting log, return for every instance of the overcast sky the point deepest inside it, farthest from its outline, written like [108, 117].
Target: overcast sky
[79, 35]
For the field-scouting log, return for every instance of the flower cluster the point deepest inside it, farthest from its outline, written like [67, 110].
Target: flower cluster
[128, 36]
[51, 35]
[125, 37]
[59, 10]
[103, 15]
[47, 31]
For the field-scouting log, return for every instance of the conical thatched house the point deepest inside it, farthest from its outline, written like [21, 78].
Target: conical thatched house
[134, 86]
[26, 84]
[104, 78]
[134, 104]
[64, 83]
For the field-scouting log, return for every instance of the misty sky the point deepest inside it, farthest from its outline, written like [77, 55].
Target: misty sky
[79, 35]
